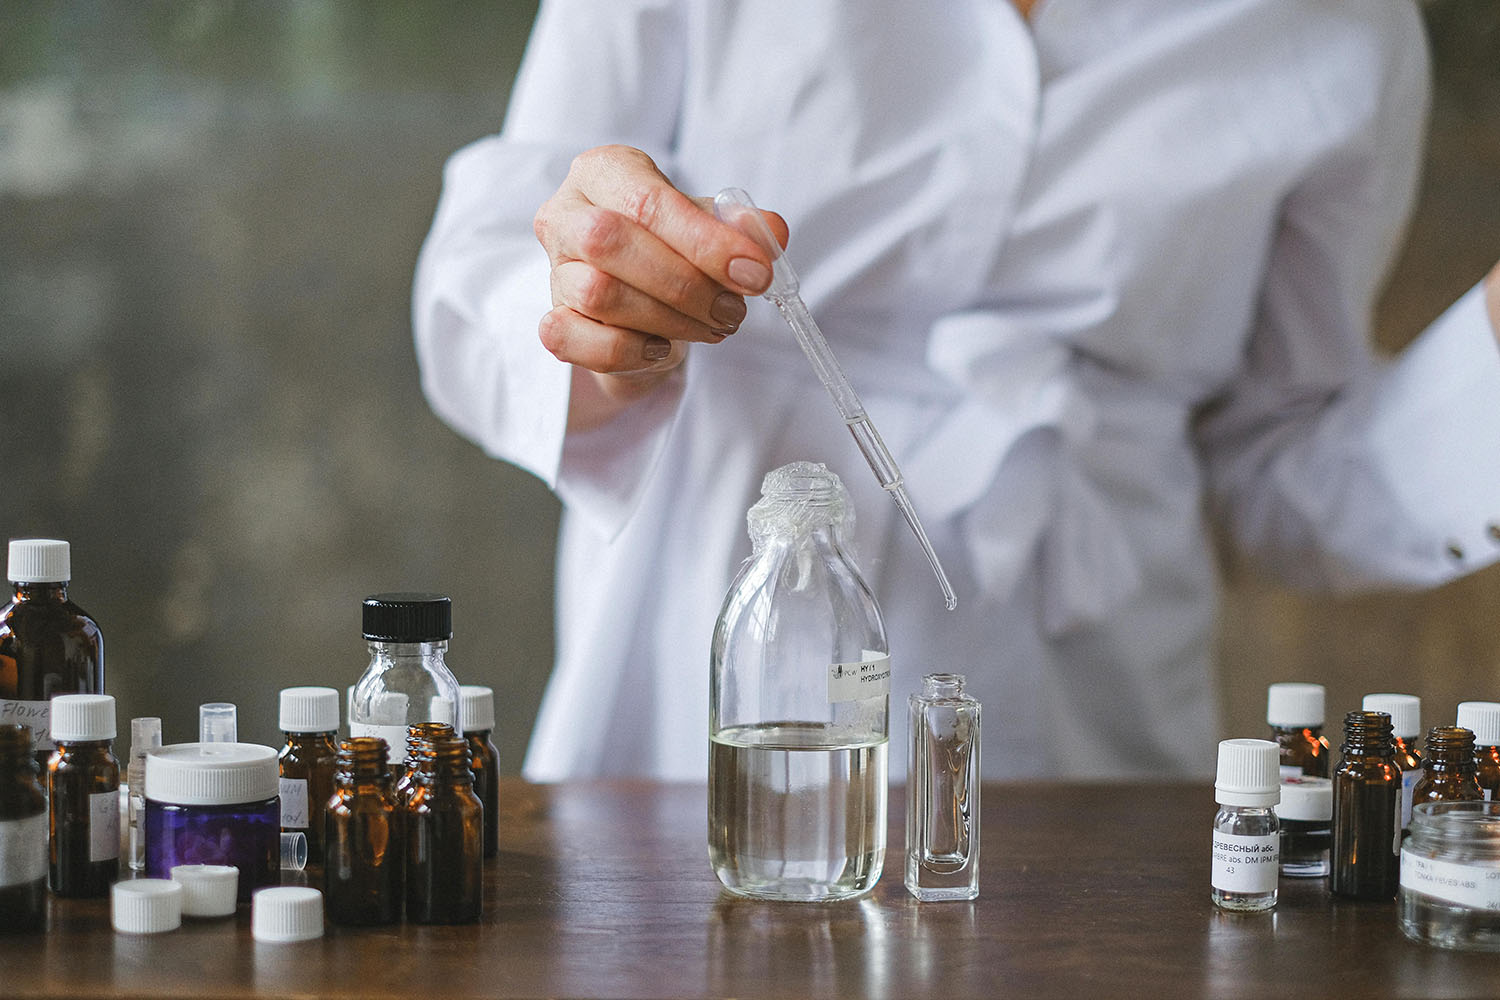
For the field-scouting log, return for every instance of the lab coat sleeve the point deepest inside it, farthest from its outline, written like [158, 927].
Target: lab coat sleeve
[593, 73]
[1332, 468]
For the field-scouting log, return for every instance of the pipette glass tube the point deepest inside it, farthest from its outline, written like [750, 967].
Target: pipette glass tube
[734, 207]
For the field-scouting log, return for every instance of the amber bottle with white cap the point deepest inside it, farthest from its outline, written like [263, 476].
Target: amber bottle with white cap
[484, 759]
[1295, 714]
[1246, 834]
[1405, 711]
[309, 719]
[83, 789]
[1482, 718]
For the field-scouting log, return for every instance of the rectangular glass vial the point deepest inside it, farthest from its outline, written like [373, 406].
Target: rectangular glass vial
[942, 792]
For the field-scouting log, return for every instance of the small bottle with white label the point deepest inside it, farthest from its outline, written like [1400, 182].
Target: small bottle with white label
[23, 835]
[1295, 714]
[799, 696]
[1405, 711]
[1246, 836]
[1482, 718]
[309, 719]
[83, 786]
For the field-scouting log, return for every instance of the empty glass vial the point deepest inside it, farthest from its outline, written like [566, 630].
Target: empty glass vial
[407, 680]
[1305, 813]
[1448, 767]
[942, 791]
[1295, 714]
[364, 834]
[83, 792]
[1405, 711]
[309, 719]
[1450, 875]
[49, 644]
[798, 704]
[1366, 810]
[1246, 836]
[1482, 718]
[419, 737]
[484, 759]
[23, 835]
[145, 736]
[444, 838]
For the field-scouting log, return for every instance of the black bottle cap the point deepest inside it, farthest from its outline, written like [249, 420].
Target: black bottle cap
[408, 617]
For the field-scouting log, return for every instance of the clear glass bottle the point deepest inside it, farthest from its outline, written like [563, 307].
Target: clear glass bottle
[407, 680]
[23, 835]
[1482, 718]
[942, 791]
[484, 759]
[364, 830]
[1246, 834]
[444, 838]
[1450, 876]
[1405, 711]
[1366, 810]
[83, 797]
[1448, 768]
[145, 736]
[1295, 714]
[798, 704]
[50, 644]
[309, 718]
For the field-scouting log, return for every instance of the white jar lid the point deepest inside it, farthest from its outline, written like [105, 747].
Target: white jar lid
[286, 913]
[1482, 718]
[1405, 711]
[146, 906]
[83, 717]
[1307, 798]
[309, 710]
[479, 707]
[208, 890]
[38, 560]
[212, 774]
[1294, 706]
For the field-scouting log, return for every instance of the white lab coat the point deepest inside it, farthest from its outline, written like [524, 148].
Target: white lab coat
[1090, 275]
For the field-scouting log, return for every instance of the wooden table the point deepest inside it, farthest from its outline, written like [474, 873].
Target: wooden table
[603, 890]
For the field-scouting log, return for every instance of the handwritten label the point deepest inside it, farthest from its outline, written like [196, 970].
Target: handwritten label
[37, 715]
[294, 803]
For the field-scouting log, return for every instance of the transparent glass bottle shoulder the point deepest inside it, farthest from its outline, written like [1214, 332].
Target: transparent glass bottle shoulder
[1246, 821]
[417, 671]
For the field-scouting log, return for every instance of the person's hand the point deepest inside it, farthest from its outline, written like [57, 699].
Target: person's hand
[639, 271]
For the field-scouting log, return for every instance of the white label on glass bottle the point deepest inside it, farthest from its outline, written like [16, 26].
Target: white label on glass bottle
[1409, 781]
[37, 715]
[104, 825]
[294, 803]
[23, 850]
[1245, 864]
[868, 678]
[394, 736]
[1476, 887]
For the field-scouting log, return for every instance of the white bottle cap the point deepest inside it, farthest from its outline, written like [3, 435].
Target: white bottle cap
[1294, 706]
[146, 906]
[479, 707]
[218, 722]
[1249, 773]
[1405, 711]
[83, 717]
[440, 709]
[1307, 798]
[1482, 718]
[286, 913]
[208, 890]
[309, 710]
[39, 560]
[212, 774]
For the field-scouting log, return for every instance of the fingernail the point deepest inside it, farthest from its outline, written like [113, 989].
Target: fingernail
[751, 274]
[656, 349]
[728, 309]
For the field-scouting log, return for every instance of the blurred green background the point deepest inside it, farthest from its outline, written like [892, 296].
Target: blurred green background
[209, 216]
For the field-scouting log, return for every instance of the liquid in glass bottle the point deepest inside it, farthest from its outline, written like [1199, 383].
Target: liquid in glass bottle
[1246, 832]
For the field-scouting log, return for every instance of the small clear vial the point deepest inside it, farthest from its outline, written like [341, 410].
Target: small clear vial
[1482, 718]
[218, 722]
[1295, 714]
[1246, 835]
[942, 792]
[145, 736]
[1405, 711]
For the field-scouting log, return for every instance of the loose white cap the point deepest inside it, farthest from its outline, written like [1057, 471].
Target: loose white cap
[208, 890]
[1306, 798]
[286, 913]
[479, 707]
[1294, 706]
[1405, 711]
[146, 906]
[309, 710]
[1482, 718]
[39, 560]
[83, 717]
[1249, 773]
[212, 774]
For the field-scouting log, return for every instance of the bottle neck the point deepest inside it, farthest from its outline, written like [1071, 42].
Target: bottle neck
[943, 686]
[381, 650]
[55, 592]
[1368, 734]
[1450, 749]
[444, 762]
[361, 759]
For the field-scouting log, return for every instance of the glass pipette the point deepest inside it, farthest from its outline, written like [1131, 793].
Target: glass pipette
[733, 206]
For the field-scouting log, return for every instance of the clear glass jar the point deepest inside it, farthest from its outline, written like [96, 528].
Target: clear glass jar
[799, 704]
[1450, 876]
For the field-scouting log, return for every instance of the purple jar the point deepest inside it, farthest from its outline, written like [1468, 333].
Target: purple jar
[214, 804]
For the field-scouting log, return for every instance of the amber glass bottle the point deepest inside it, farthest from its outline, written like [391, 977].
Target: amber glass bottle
[23, 835]
[1448, 767]
[444, 838]
[364, 837]
[1366, 810]
[48, 645]
[1482, 718]
[484, 759]
[1295, 714]
[419, 736]
[83, 788]
[1405, 711]
[309, 722]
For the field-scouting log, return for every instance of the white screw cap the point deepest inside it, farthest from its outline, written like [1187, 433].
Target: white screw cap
[1294, 706]
[309, 710]
[1405, 711]
[83, 717]
[479, 707]
[286, 913]
[1249, 773]
[39, 560]
[146, 906]
[208, 890]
